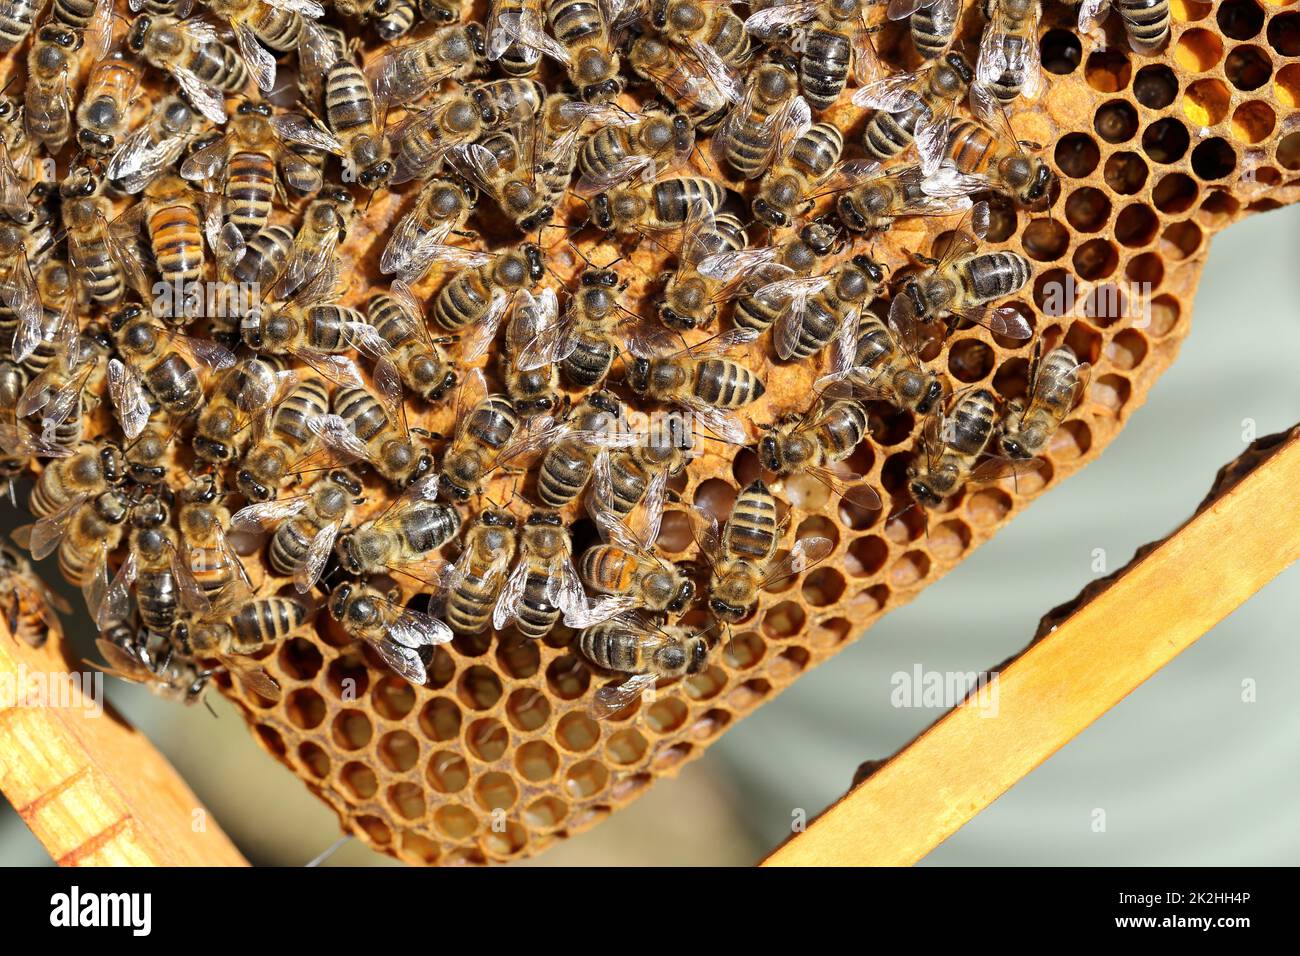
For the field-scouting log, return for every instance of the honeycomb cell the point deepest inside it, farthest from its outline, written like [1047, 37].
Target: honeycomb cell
[487, 739]
[1116, 121]
[807, 493]
[305, 708]
[749, 694]
[1198, 50]
[399, 751]
[889, 425]
[970, 360]
[1056, 293]
[1189, 11]
[300, 659]
[1253, 122]
[314, 759]
[479, 688]
[1175, 194]
[1096, 259]
[505, 841]
[359, 780]
[823, 586]
[495, 791]
[352, 729]
[1127, 350]
[705, 685]
[441, 669]
[1165, 312]
[1108, 71]
[1125, 173]
[1146, 270]
[1217, 209]
[519, 659]
[1087, 209]
[1011, 379]
[1165, 141]
[586, 779]
[1286, 86]
[347, 678]
[419, 849]
[1155, 86]
[546, 813]
[1077, 155]
[675, 532]
[472, 645]
[1085, 342]
[1072, 440]
[626, 747]
[950, 540]
[1248, 68]
[1002, 219]
[666, 715]
[407, 800]
[710, 724]
[783, 621]
[1105, 305]
[988, 506]
[1111, 391]
[909, 570]
[447, 772]
[818, 526]
[375, 829]
[1180, 240]
[790, 663]
[455, 822]
[1060, 51]
[715, 497]
[744, 650]
[1136, 225]
[1240, 19]
[746, 468]
[576, 732]
[393, 698]
[866, 556]
[440, 720]
[1045, 240]
[1284, 34]
[1206, 102]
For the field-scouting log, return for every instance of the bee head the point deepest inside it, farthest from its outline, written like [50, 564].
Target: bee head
[1039, 184]
[473, 34]
[536, 265]
[139, 30]
[639, 375]
[683, 596]
[957, 63]
[933, 393]
[769, 214]
[769, 453]
[347, 554]
[725, 611]
[376, 175]
[600, 212]
[339, 601]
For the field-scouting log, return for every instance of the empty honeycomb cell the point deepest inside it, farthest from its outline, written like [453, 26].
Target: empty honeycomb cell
[1180, 240]
[823, 586]
[1116, 121]
[359, 780]
[866, 556]
[419, 849]
[749, 694]
[487, 739]
[1077, 155]
[1166, 140]
[1175, 194]
[399, 751]
[1136, 225]
[675, 532]
[347, 678]
[1155, 86]
[495, 791]
[305, 708]
[300, 659]
[1087, 209]
[447, 772]
[745, 468]
[1146, 270]
[744, 650]
[988, 506]
[1248, 67]
[586, 779]
[509, 840]
[1072, 440]
[705, 685]
[889, 425]
[352, 729]
[790, 663]
[407, 800]
[860, 461]
[626, 747]
[1240, 19]
[949, 540]
[1060, 51]
[472, 645]
[1218, 208]
[909, 569]
[1096, 259]
[1253, 122]
[1284, 34]
[710, 724]
[1111, 391]
[455, 822]
[818, 526]
[479, 688]
[1198, 51]
[440, 720]
[1045, 239]
[666, 715]
[1206, 102]
[314, 759]
[784, 620]
[1056, 293]
[905, 526]
[1189, 11]
[970, 360]
[1085, 341]
[715, 497]
[1127, 350]
[1105, 305]
[1002, 219]
[519, 659]
[546, 813]
[1108, 71]
[393, 698]
[441, 669]
[1012, 378]
[1286, 86]
[375, 829]
[1288, 151]
[577, 732]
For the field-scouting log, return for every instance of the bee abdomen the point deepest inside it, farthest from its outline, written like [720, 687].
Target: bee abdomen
[1147, 22]
[817, 150]
[563, 474]
[824, 67]
[177, 243]
[250, 183]
[995, 274]
[727, 384]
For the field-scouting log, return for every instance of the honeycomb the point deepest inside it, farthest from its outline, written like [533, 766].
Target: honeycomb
[496, 756]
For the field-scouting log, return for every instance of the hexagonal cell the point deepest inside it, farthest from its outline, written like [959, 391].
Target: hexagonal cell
[1146, 270]
[905, 527]
[970, 360]
[783, 621]
[586, 779]
[744, 650]
[705, 685]
[1087, 209]
[1175, 194]
[1253, 122]
[1155, 86]
[487, 739]
[988, 506]
[909, 570]
[889, 425]
[519, 659]
[1218, 208]
[1096, 259]
[1198, 50]
[1127, 350]
[1136, 225]
[447, 772]
[347, 678]
[407, 800]
[455, 822]
[1060, 51]
[715, 497]
[393, 698]
[375, 829]
[505, 841]
[1056, 293]
[479, 688]
[1180, 240]
[1077, 155]
[626, 747]
[1165, 141]
[823, 586]
[1286, 86]
[351, 730]
[1085, 341]
[1206, 102]
[300, 659]
[546, 813]
[359, 780]
[305, 708]
[818, 526]
[399, 751]
[1045, 239]
[749, 694]
[1165, 313]
[1002, 219]
[807, 493]
[1240, 19]
[1284, 34]
[419, 850]
[950, 540]
[790, 663]
[1125, 173]
[1189, 11]
[712, 723]
[577, 732]
[1105, 305]
[495, 791]
[440, 720]
[567, 677]
[866, 556]
[314, 759]
[1248, 67]
[1111, 391]
[1116, 121]
[675, 532]
[1072, 440]
[666, 715]
[1108, 71]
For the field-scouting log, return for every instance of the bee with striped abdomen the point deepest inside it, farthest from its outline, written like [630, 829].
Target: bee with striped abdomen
[891, 193]
[29, 608]
[769, 117]
[415, 358]
[820, 306]
[649, 652]
[690, 298]
[276, 23]
[363, 427]
[397, 634]
[912, 107]
[1056, 384]
[626, 569]
[836, 42]
[504, 167]
[190, 51]
[405, 73]
[544, 585]
[637, 146]
[811, 443]
[597, 424]
[1146, 22]
[53, 61]
[282, 439]
[480, 293]
[440, 209]
[479, 574]
[932, 23]
[106, 105]
[404, 539]
[700, 89]
[241, 393]
[662, 206]
[1008, 63]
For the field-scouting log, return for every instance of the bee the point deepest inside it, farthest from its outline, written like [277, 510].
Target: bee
[480, 572]
[627, 477]
[516, 35]
[742, 556]
[17, 17]
[53, 61]
[933, 23]
[241, 392]
[154, 146]
[281, 439]
[440, 208]
[404, 74]
[324, 225]
[166, 363]
[69, 386]
[507, 171]
[190, 51]
[912, 107]
[152, 551]
[562, 123]
[820, 306]
[103, 265]
[662, 206]
[972, 157]
[266, 256]
[352, 116]
[690, 298]
[532, 391]
[788, 185]
[84, 532]
[874, 204]
[30, 609]
[568, 464]
[405, 538]
[306, 525]
[1056, 383]
[277, 23]
[211, 574]
[626, 569]
[584, 45]
[837, 40]
[106, 105]
[484, 441]
[761, 126]
[961, 284]
[171, 212]
[1008, 63]
[21, 322]
[544, 585]
[364, 428]
[699, 89]
[395, 633]
[638, 146]
[711, 31]
[701, 380]
[426, 138]
[480, 293]
[239, 628]
[811, 443]
[649, 652]
[148, 659]
[439, 11]
[93, 470]
[513, 101]
[1146, 22]
[150, 453]
[415, 359]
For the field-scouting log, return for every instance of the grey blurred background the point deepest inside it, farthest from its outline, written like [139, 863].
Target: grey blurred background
[1184, 771]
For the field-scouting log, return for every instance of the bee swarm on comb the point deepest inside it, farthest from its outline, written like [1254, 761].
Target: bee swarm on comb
[498, 401]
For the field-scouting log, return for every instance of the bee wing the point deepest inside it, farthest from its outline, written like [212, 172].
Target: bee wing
[993, 469]
[192, 596]
[932, 437]
[1004, 321]
[261, 65]
[308, 572]
[139, 159]
[947, 183]
[115, 602]
[726, 266]
[127, 394]
[931, 136]
[789, 324]
[257, 517]
[338, 369]
[484, 332]
[20, 442]
[889, 94]
[1091, 13]
[305, 8]
[902, 9]
[619, 172]
[301, 129]
[717, 71]
[98, 32]
[46, 533]
[524, 26]
[208, 101]
[252, 676]
[13, 194]
[767, 23]
[612, 698]
[207, 162]
[507, 606]
[866, 61]
[19, 292]
[857, 493]
[805, 553]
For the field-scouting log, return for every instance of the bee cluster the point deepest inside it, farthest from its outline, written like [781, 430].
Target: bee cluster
[531, 287]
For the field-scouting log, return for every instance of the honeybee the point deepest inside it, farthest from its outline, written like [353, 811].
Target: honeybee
[324, 225]
[415, 358]
[972, 157]
[152, 551]
[172, 214]
[17, 17]
[811, 443]
[485, 438]
[190, 51]
[396, 634]
[690, 298]
[534, 390]
[105, 105]
[92, 470]
[627, 570]
[697, 88]
[404, 74]
[29, 607]
[18, 291]
[508, 173]
[161, 360]
[701, 380]
[762, 125]
[637, 146]
[1146, 22]
[364, 428]
[742, 555]
[597, 424]
[873, 205]
[583, 44]
[150, 454]
[306, 526]
[392, 18]
[277, 23]
[627, 477]
[103, 265]
[839, 41]
[239, 628]
[425, 139]
[662, 206]
[69, 386]
[405, 538]
[353, 118]
[820, 306]
[711, 31]
[961, 284]
[149, 659]
[440, 208]
[241, 392]
[562, 123]
[516, 35]
[544, 585]
[1008, 64]
[933, 23]
[913, 107]
[209, 572]
[266, 256]
[154, 146]
[439, 11]
[282, 438]
[649, 652]
[479, 574]
[84, 532]
[1056, 383]
[812, 162]
[480, 293]
[53, 61]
